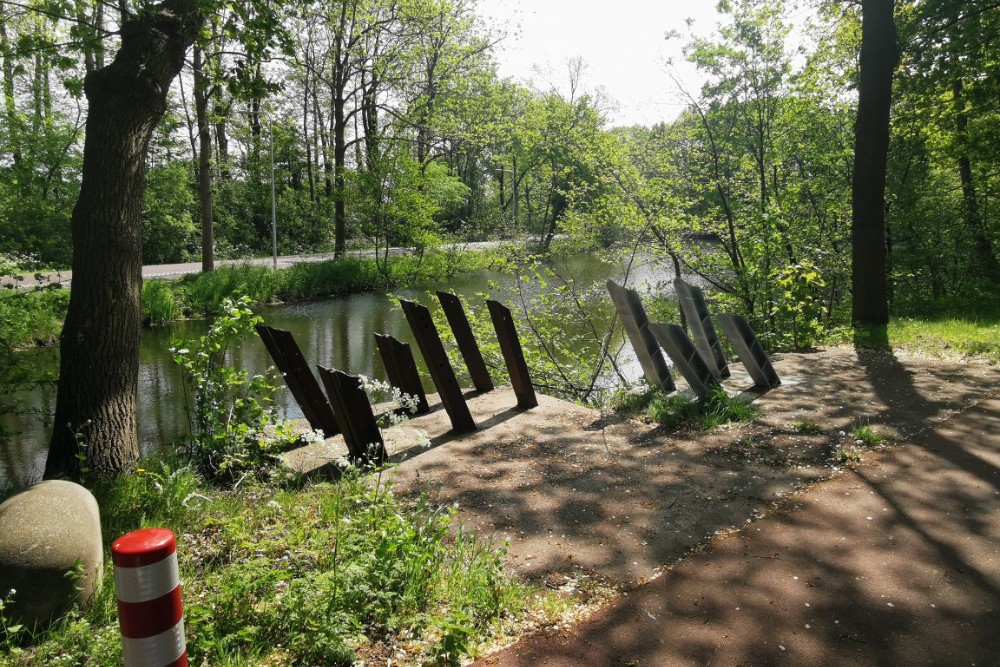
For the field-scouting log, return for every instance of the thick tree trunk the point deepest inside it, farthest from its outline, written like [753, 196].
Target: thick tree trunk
[99, 365]
[879, 57]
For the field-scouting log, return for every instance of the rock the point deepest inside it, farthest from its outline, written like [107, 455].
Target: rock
[45, 532]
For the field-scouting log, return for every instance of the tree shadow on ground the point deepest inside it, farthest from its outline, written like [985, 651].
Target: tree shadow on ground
[626, 500]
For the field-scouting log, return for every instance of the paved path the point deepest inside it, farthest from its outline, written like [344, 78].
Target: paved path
[171, 271]
[896, 562]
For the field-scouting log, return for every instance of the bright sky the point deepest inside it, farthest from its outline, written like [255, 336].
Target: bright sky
[621, 41]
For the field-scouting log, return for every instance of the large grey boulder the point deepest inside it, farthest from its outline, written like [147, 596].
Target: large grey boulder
[47, 532]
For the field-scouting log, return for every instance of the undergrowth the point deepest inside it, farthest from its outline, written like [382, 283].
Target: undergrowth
[680, 410]
[203, 294]
[313, 576]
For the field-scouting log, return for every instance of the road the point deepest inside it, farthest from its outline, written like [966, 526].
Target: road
[173, 271]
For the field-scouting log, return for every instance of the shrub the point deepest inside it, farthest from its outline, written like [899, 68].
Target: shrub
[228, 408]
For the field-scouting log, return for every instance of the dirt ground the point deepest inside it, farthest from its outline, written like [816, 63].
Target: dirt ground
[583, 495]
[894, 562]
[572, 489]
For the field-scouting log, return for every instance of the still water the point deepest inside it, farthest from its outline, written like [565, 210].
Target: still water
[336, 332]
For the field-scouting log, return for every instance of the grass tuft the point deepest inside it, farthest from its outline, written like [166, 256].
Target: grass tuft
[677, 410]
[159, 305]
[806, 427]
[866, 434]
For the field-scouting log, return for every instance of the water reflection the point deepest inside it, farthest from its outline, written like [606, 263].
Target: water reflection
[335, 333]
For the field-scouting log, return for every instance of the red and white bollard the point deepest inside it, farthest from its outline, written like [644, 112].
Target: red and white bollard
[149, 598]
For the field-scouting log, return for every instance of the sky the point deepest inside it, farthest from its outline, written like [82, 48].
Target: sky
[622, 42]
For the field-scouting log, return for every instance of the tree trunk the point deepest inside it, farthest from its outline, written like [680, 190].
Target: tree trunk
[99, 362]
[222, 138]
[339, 178]
[201, 98]
[879, 57]
[340, 74]
[10, 104]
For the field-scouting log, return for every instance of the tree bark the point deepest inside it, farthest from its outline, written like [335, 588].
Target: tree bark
[877, 64]
[95, 424]
[9, 98]
[202, 93]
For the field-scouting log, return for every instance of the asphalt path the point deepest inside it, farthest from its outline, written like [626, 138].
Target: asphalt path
[174, 271]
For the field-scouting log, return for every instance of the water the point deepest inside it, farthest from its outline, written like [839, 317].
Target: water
[335, 333]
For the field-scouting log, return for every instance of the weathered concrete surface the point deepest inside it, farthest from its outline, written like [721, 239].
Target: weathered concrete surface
[47, 533]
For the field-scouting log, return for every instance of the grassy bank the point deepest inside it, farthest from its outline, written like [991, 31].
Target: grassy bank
[201, 294]
[33, 318]
[323, 575]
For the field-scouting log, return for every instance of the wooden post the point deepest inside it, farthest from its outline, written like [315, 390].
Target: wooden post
[436, 359]
[466, 340]
[354, 414]
[401, 368]
[513, 355]
[301, 382]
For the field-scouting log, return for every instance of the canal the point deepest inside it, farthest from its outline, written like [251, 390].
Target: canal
[336, 332]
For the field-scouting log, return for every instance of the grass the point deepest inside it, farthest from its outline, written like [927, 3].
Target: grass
[948, 336]
[806, 427]
[31, 318]
[326, 574]
[848, 455]
[866, 434]
[203, 293]
[159, 305]
[677, 410]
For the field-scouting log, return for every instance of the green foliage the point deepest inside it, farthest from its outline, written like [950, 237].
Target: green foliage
[679, 410]
[228, 408]
[306, 577]
[207, 293]
[796, 310]
[848, 455]
[633, 401]
[31, 318]
[11, 633]
[204, 293]
[158, 303]
[169, 234]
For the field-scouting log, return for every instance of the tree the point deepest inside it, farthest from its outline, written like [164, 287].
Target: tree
[948, 101]
[877, 64]
[99, 362]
